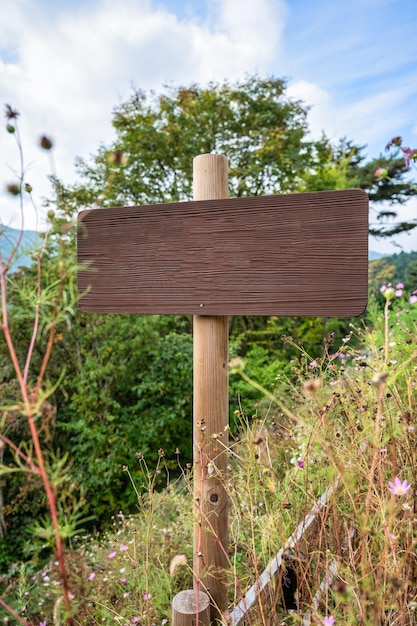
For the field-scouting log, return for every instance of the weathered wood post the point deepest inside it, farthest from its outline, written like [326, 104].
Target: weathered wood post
[191, 608]
[211, 418]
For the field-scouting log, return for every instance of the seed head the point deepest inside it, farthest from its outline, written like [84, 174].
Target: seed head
[310, 387]
[13, 189]
[45, 142]
[11, 114]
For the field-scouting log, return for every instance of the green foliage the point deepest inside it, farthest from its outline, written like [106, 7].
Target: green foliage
[262, 131]
[118, 386]
[354, 429]
[137, 400]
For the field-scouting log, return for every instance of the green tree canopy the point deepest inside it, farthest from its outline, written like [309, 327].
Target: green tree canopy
[263, 132]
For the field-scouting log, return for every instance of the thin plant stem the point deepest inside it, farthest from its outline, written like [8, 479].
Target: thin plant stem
[49, 492]
[12, 612]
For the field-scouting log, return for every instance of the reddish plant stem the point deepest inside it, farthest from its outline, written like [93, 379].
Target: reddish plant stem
[50, 495]
[34, 468]
[12, 612]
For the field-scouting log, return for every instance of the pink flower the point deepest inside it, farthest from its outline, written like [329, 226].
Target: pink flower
[399, 286]
[147, 596]
[92, 576]
[409, 155]
[398, 488]
[136, 620]
[123, 548]
[328, 620]
[300, 463]
[123, 580]
[380, 172]
[112, 555]
[412, 299]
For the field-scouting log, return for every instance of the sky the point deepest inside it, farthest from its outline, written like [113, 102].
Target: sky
[66, 64]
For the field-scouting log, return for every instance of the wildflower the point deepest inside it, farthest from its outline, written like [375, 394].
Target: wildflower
[380, 172]
[412, 299]
[147, 596]
[310, 387]
[300, 463]
[123, 579]
[92, 576]
[42, 623]
[395, 141]
[328, 620]
[112, 554]
[387, 291]
[236, 365]
[11, 114]
[398, 488]
[136, 620]
[126, 594]
[409, 155]
[123, 548]
[176, 561]
[379, 379]
[117, 158]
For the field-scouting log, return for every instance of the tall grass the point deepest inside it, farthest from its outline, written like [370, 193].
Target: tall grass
[346, 418]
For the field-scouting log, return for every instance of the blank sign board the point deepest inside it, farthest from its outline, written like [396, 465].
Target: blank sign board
[297, 254]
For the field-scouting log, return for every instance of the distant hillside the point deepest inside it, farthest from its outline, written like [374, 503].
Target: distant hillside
[9, 237]
[375, 255]
[400, 267]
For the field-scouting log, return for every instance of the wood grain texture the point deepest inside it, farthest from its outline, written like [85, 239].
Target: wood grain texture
[187, 605]
[297, 254]
[211, 421]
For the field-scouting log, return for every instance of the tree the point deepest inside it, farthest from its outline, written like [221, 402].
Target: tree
[262, 131]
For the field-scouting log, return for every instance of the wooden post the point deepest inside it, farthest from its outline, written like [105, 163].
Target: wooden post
[185, 609]
[211, 420]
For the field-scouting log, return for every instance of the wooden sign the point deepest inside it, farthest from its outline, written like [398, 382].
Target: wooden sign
[298, 254]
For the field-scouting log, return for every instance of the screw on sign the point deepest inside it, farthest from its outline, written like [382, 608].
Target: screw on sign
[298, 254]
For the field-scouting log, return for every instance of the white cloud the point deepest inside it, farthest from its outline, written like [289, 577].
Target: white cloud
[321, 116]
[66, 76]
